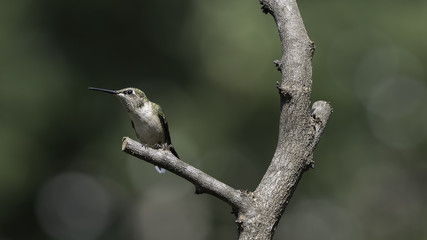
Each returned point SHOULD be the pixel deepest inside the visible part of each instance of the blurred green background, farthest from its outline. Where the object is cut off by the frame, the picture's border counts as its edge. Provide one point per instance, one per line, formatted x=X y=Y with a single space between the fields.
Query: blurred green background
x=209 y=64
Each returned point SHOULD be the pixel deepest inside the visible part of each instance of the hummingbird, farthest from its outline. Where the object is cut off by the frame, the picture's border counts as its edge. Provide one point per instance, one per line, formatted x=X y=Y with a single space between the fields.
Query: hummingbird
x=147 y=118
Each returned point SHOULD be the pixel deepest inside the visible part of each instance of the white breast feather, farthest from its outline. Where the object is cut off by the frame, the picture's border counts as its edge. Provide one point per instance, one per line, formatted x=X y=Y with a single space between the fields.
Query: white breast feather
x=147 y=125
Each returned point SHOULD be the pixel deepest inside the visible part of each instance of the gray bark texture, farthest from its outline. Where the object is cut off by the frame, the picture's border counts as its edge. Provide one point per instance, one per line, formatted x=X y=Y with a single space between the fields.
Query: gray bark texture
x=258 y=212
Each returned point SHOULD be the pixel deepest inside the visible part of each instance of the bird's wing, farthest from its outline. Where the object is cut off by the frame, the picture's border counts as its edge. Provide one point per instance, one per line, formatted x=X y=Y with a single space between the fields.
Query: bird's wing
x=164 y=123
x=165 y=126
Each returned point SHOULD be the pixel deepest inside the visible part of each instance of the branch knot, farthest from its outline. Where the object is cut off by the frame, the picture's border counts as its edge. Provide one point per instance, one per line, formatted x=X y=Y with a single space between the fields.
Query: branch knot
x=278 y=65
x=312 y=49
x=266 y=8
x=284 y=93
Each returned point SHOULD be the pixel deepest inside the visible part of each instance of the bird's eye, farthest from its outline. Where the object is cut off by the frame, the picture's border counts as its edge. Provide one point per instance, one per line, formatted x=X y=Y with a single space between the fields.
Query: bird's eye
x=130 y=91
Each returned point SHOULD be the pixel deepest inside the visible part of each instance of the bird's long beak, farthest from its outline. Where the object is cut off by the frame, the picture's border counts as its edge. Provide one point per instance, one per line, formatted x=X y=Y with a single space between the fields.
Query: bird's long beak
x=103 y=90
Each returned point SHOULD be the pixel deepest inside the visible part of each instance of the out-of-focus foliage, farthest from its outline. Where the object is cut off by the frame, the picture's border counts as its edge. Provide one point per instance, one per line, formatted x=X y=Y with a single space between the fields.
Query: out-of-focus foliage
x=210 y=65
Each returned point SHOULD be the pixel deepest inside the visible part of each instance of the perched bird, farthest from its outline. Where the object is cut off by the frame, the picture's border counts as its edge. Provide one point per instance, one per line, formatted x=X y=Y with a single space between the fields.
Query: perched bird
x=148 y=119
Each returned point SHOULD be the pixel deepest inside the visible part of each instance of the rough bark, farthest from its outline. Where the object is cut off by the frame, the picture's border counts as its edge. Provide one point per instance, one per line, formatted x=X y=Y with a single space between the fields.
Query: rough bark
x=258 y=212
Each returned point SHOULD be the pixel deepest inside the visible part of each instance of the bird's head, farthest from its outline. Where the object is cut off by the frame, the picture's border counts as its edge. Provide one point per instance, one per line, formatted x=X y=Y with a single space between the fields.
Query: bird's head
x=131 y=98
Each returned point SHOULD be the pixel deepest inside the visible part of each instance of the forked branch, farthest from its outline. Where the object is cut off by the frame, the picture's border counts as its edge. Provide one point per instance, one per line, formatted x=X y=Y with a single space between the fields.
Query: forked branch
x=300 y=128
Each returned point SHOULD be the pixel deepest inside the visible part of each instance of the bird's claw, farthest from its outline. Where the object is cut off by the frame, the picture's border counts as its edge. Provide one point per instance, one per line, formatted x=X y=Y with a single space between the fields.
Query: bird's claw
x=157 y=146
x=144 y=145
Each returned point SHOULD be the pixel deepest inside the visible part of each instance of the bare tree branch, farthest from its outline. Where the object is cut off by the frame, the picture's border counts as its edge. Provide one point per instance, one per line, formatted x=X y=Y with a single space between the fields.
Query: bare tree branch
x=299 y=131
x=259 y=212
x=204 y=183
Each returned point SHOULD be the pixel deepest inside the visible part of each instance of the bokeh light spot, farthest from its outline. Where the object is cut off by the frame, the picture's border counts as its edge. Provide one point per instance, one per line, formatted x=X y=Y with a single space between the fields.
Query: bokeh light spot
x=73 y=206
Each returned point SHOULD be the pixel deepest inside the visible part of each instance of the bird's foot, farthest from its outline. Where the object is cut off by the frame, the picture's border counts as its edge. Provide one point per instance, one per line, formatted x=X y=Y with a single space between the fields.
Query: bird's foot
x=163 y=146
x=158 y=146
x=144 y=145
x=167 y=147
